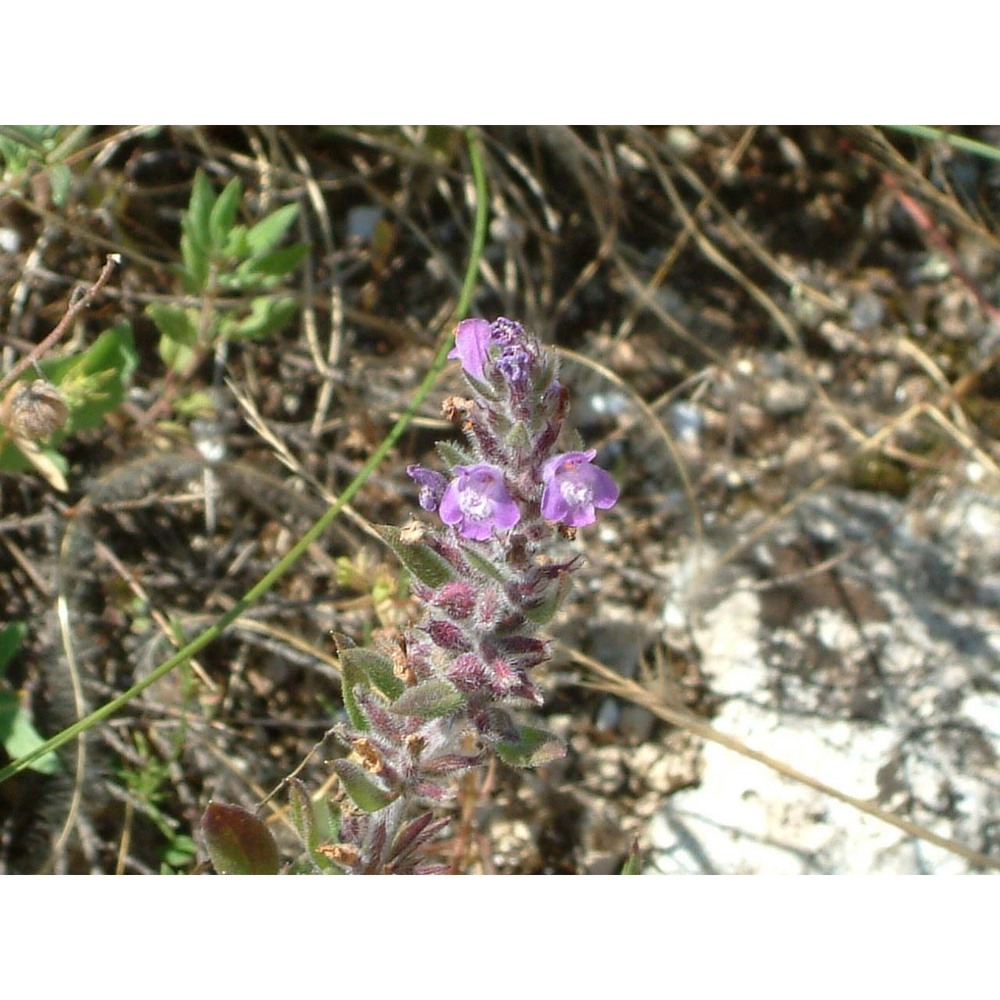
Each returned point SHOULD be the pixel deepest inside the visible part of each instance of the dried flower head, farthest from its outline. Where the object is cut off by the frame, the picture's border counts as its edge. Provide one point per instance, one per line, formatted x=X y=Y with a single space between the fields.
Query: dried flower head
x=33 y=410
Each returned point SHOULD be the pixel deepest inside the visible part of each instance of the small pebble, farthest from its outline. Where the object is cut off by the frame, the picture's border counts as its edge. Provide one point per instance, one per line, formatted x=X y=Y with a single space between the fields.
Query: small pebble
x=10 y=240
x=784 y=399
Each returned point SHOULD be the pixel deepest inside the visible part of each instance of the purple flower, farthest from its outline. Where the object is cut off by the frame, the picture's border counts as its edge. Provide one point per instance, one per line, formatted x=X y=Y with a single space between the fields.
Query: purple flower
x=472 y=338
x=478 y=501
x=515 y=363
x=506 y=331
x=431 y=485
x=574 y=487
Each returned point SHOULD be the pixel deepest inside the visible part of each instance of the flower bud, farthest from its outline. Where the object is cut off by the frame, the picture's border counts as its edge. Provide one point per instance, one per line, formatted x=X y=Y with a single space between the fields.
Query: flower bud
x=456 y=598
x=447 y=635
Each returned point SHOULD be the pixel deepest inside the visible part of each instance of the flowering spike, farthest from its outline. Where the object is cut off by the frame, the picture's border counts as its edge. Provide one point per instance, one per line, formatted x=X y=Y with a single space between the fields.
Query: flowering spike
x=448 y=694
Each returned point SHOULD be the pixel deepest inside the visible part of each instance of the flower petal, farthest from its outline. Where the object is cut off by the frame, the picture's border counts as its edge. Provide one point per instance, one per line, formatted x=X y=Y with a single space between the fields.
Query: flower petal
x=472 y=338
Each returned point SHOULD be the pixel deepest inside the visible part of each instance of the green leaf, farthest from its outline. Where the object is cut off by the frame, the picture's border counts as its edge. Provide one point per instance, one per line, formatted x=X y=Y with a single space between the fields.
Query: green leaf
x=268 y=233
x=196 y=265
x=174 y=322
x=317 y=824
x=484 y=390
x=175 y=355
x=518 y=439
x=375 y=667
x=199 y=403
x=61 y=179
x=19 y=737
x=236 y=245
x=452 y=455
x=276 y=264
x=425 y=564
x=351 y=677
x=95 y=381
x=26 y=140
x=267 y=316
x=180 y=852
x=484 y=566
x=10 y=642
x=631 y=865
x=532 y=748
x=430 y=699
x=543 y=612
x=238 y=842
x=179 y=334
x=196 y=221
x=358 y=784
x=222 y=217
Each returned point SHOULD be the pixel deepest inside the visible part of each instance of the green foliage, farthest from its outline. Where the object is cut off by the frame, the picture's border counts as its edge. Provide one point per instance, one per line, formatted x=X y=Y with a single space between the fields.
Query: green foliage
x=17 y=734
x=425 y=564
x=376 y=669
x=362 y=790
x=632 y=865
x=222 y=260
x=452 y=454
x=543 y=612
x=317 y=824
x=532 y=748
x=351 y=678
x=92 y=384
x=148 y=782
x=25 y=149
x=433 y=698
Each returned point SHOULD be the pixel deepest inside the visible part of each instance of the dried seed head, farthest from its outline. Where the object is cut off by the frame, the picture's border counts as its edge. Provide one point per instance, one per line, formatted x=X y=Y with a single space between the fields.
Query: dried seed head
x=454 y=407
x=346 y=855
x=412 y=533
x=33 y=410
x=369 y=756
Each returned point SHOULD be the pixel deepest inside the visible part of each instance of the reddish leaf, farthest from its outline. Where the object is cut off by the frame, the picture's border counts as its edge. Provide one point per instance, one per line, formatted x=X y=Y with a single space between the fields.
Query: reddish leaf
x=238 y=842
